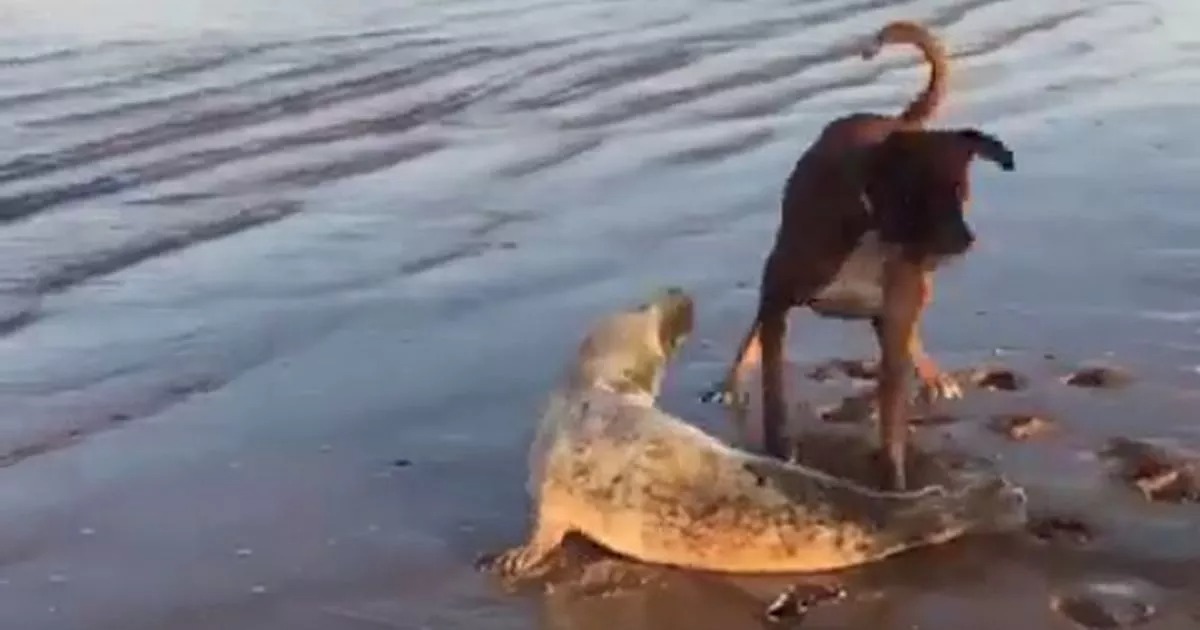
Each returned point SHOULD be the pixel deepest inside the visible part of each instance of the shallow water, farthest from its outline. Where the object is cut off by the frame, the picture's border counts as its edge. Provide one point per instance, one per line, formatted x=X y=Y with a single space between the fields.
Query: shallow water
x=250 y=256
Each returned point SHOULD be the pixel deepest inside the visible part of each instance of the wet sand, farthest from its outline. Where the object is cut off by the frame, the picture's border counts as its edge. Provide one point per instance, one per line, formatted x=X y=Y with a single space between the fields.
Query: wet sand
x=281 y=292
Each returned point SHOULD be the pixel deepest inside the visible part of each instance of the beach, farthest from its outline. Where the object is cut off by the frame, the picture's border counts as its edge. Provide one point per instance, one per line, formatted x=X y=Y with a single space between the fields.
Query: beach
x=282 y=291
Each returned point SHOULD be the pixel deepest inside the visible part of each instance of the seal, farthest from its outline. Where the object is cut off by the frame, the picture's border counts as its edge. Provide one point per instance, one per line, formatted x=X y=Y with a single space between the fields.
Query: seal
x=608 y=464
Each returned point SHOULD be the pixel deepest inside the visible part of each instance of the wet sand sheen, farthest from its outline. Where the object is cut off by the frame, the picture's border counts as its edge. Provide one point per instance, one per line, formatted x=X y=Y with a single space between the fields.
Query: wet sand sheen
x=249 y=262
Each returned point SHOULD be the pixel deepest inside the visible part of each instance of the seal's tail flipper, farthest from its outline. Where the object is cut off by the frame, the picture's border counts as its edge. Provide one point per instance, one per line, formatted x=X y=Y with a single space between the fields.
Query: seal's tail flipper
x=997 y=506
x=990 y=505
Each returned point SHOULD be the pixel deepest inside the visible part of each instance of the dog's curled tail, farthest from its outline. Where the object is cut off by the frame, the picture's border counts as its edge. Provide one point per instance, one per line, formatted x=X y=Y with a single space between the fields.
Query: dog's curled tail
x=926 y=104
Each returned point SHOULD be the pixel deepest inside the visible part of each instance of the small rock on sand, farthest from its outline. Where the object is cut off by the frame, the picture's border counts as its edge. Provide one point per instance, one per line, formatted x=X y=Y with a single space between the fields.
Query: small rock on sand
x=860 y=369
x=821 y=373
x=932 y=420
x=795 y=602
x=1021 y=426
x=1065 y=528
x=861 y=408
x=1099 y=377
x=1105 y=605
x=998 y=379
x=1159 y=474
x=853 y=409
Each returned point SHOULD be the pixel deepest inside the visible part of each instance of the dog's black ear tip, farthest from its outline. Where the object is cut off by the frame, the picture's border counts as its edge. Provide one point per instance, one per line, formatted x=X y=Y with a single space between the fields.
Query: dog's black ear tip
x=1005 y=159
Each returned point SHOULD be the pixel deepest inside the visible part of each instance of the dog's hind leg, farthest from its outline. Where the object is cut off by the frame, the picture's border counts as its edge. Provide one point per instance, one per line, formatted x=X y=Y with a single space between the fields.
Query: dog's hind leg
x=783 y=287
x=772 y=322
x=904 y=295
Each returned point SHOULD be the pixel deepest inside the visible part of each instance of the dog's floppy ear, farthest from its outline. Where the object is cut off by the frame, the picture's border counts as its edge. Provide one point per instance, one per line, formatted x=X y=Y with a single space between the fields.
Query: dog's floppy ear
x=987 y=146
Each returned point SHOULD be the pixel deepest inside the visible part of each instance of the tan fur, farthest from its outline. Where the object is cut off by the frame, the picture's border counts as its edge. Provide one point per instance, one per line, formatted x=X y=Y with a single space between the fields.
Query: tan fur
x=608 y=464
x=857 y=289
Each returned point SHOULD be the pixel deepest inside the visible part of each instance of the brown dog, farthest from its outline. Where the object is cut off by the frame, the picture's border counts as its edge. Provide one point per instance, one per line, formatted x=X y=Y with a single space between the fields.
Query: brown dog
x=868 y=213
x=823 y=202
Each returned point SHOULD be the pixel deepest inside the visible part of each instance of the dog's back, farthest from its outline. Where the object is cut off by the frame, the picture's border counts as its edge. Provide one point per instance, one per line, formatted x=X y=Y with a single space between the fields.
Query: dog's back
x=843 y=141
x=822 y=206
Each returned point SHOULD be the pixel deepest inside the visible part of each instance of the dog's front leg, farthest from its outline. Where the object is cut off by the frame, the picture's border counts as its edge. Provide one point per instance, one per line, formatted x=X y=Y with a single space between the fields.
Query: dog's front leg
x=935 y=384
x=904 y=295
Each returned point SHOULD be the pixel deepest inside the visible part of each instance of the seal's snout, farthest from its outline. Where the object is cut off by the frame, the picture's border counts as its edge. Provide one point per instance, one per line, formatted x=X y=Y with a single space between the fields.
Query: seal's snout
x=677 y=317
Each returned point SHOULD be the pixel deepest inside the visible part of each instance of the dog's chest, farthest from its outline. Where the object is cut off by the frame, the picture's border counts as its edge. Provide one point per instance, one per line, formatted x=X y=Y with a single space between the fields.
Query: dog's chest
x=856 y=292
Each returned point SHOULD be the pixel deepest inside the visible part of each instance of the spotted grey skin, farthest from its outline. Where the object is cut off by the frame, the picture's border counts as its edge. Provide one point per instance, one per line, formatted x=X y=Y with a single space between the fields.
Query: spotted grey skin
x=610 y=465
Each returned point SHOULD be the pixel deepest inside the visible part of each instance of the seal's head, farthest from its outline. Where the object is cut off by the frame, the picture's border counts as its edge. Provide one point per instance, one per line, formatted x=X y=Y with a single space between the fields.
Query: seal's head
x=673 y=313
x=628 y=351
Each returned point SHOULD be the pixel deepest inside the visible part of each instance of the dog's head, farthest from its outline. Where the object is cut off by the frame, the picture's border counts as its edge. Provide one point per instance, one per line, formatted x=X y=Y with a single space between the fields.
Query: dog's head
x=917 y=183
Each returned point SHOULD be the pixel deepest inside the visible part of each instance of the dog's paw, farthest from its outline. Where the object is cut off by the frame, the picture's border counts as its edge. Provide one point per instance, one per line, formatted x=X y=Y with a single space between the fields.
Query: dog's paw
x=719 y=394
x=939 y=386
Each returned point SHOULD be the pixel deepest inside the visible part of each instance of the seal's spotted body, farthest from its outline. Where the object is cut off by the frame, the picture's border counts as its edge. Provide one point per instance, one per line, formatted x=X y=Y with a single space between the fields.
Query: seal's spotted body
x=608 y=464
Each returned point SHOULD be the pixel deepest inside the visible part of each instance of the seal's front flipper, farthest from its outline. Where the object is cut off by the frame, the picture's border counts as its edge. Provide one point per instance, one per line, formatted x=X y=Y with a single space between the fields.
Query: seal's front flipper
x=529 y=561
